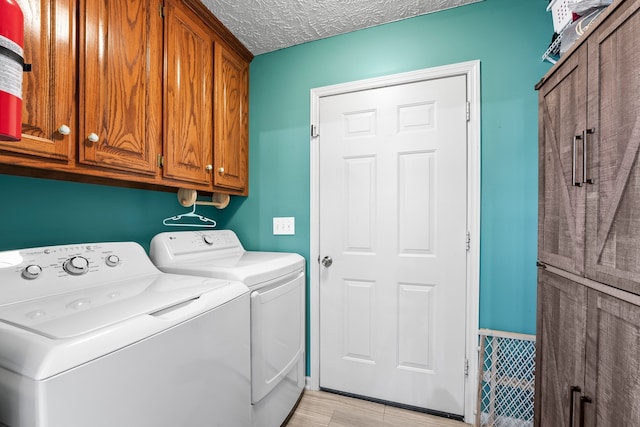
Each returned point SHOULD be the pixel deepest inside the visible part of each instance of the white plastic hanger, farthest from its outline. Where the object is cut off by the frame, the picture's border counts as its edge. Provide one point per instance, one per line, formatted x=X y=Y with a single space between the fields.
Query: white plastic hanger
x=188 y=198
x=175 y=221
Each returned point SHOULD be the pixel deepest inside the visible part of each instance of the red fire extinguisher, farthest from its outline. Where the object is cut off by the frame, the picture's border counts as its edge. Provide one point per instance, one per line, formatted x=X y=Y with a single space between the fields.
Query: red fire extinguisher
x=11 y=69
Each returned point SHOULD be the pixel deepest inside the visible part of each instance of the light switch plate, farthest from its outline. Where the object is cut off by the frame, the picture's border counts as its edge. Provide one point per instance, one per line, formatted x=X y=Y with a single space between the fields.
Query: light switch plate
x=284 y=226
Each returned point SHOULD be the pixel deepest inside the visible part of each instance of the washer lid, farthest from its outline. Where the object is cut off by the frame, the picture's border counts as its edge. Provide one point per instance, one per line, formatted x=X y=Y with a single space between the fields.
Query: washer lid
x=251 y=268
x=81 y=312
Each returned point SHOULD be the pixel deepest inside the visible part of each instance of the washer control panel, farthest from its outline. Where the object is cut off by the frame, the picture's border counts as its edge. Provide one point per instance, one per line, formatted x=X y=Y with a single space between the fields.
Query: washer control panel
x=33 y=273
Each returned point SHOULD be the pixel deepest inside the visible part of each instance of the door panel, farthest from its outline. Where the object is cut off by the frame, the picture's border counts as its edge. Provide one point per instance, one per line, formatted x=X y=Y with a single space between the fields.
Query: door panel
x=561 y=210
x=231 y=145
x=613 y=365
x=49 y=89
x=277 y=334
x=189 y=96
x=393 y=218
x=613 y=223
x=560 y=349
x=121 y=84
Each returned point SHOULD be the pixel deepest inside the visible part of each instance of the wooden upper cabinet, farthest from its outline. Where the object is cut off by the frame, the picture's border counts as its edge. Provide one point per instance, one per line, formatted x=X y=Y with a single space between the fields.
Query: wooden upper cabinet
x=613 y=200
x=231 y=125
x=561 y=207
x=49 y=89
x=133 y=91
x=188 y=117
x=120 y=84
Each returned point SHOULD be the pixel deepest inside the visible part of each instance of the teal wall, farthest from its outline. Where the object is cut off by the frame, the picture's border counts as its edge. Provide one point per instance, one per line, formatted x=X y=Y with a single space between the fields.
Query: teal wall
x=39 y=212
x=507 y=36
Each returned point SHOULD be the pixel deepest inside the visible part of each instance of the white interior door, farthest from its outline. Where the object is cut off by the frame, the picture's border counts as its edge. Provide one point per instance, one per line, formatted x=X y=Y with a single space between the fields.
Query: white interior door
x=393 y=206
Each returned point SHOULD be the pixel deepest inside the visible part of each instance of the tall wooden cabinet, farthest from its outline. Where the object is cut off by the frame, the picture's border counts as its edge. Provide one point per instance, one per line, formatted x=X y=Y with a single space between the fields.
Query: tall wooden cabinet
x=588 y=333
x=150 y=94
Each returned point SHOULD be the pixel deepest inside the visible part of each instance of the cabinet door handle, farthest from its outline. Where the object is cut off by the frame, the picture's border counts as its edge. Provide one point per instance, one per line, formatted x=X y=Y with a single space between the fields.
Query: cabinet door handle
x=92 y=137
x=583 y=401
x=572 y=390
x=575 y=182
x=221 y=171
x=64 y=130
x=584 y=155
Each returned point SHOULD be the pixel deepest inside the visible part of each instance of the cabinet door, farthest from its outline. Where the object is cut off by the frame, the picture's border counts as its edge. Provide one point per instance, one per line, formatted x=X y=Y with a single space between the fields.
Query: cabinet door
x=231 y=125
x=560 y=350
x=613 y=200
x=561 y=204
x=120 y=84
x=188 y=96
x=49 y=89
x=613 y=366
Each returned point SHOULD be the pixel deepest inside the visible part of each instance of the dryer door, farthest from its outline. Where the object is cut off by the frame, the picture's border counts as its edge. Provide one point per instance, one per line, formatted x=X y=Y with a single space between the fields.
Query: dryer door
x=277 y=333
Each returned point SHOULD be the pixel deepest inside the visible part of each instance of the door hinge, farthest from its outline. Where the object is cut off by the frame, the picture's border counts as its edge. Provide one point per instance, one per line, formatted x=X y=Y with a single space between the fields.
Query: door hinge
x=468 y=241
x=468 y=111
x=466 y=367
x=161 y=11
x=160 y=161
x=314 y=131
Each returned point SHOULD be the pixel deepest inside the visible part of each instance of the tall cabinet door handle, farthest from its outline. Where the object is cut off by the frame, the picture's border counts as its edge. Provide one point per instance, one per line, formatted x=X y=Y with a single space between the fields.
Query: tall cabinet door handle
x=575 y=182
x=583 y=400
x=572 y=391
x=585 y=178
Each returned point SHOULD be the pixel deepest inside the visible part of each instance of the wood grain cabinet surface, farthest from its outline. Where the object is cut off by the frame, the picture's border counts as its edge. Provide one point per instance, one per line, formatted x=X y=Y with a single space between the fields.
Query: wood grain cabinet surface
x=587 y=364
x=231 y=124
x=588 y=326
x=137 y=95
x=189 y=98
x=560 y=349
x=49 y=45
x=589 y=131
x=120 y=85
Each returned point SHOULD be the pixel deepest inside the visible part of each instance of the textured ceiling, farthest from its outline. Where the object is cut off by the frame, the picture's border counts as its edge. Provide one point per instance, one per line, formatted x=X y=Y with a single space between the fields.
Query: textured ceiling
x=268 y=25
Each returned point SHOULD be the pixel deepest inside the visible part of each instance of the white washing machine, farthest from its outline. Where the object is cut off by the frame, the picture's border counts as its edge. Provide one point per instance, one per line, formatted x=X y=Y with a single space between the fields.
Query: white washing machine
x=277 y=284
x=95 y=335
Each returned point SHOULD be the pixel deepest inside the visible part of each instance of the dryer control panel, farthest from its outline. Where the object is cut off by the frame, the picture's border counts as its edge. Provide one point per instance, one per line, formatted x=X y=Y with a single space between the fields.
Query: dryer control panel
x=215 y=243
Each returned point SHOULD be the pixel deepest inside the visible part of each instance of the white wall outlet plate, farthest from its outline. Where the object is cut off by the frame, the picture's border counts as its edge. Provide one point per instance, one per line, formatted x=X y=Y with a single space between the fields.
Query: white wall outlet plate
x=284 y=226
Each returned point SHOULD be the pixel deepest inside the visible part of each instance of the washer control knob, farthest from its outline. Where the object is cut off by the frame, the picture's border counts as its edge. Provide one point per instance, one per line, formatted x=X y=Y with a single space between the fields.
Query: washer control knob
x=208 y=240
x=76 y=265
x=31 y=271
x=112 y=260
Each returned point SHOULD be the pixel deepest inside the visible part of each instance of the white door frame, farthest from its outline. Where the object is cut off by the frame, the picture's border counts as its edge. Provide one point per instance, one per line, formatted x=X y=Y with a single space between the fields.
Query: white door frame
x=471 y=70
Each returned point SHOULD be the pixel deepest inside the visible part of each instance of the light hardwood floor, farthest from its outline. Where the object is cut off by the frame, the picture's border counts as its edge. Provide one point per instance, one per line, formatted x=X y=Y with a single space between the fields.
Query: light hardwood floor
x=322 y=409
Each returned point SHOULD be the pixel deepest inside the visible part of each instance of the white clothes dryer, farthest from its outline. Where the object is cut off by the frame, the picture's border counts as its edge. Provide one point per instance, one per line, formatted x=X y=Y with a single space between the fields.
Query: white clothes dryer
x=277 y=284
x=95 y=335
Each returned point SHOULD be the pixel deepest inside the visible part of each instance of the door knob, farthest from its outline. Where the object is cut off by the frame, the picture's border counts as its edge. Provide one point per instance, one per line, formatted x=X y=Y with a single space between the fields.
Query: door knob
x=327 y=261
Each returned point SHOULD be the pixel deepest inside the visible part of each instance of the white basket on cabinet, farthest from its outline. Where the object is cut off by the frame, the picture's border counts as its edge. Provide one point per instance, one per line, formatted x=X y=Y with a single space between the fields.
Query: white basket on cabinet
x=561 y=13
